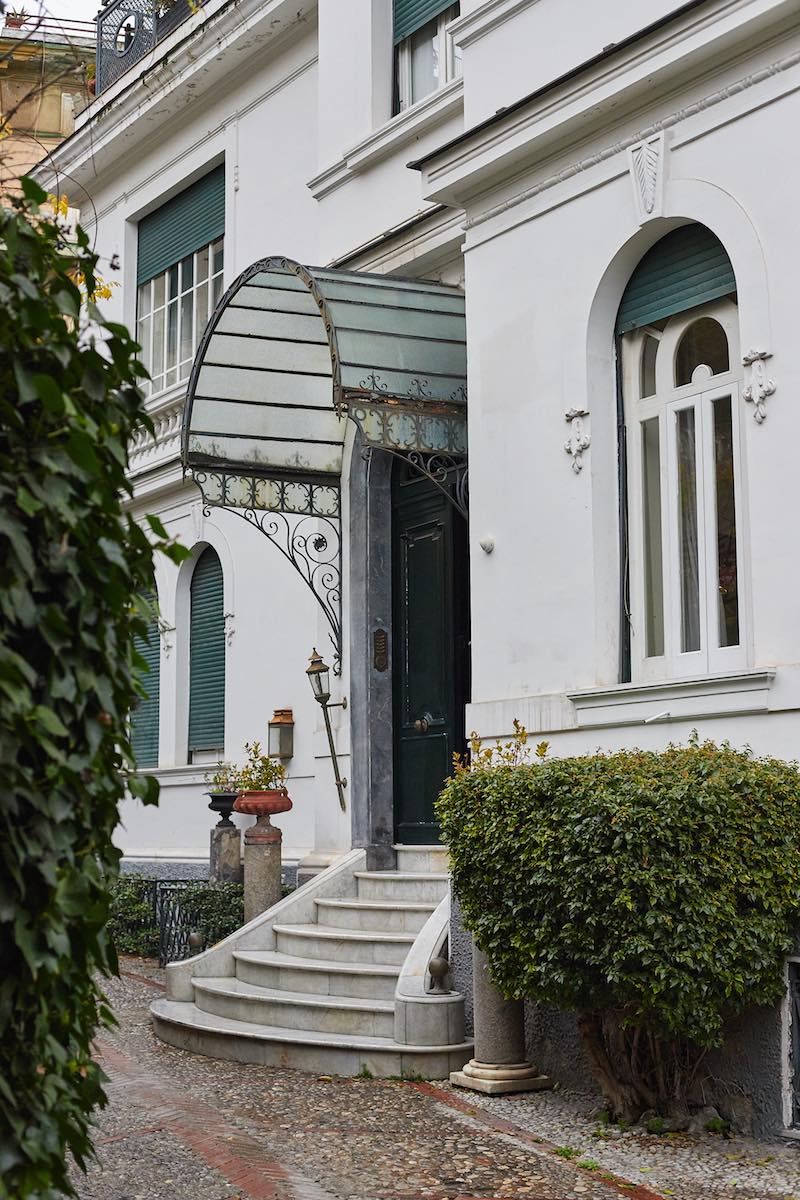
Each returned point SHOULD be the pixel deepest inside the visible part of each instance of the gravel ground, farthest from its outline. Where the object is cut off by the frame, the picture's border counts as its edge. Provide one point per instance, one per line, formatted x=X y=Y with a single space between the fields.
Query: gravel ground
x=688 y=1167
x=184 y=1127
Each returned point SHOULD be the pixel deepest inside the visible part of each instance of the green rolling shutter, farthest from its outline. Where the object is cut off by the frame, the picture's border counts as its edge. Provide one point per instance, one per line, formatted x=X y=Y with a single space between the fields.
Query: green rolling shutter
x=207 y=655
x=184 y=224
x=144 y=718
x=687 y=267
x=411 y=15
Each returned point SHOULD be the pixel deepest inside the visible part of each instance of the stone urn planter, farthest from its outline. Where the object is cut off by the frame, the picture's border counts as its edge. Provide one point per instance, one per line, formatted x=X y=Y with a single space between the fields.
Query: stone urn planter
x=222 y=803
x=263 y=802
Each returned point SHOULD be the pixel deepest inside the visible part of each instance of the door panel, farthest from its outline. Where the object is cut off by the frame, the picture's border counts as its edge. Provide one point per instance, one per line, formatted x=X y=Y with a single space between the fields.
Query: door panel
x=429 y=649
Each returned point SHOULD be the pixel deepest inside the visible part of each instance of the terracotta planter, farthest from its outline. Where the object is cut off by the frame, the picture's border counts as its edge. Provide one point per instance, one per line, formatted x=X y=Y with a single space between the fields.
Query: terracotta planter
x=263 y=804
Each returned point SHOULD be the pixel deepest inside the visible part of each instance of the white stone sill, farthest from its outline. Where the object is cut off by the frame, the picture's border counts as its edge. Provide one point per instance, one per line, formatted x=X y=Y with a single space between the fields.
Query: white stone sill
x=732 y=693
x=405 y=127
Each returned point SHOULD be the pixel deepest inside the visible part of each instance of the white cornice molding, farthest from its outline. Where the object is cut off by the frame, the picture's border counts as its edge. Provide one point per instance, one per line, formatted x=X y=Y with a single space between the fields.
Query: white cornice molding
x=605 y=91
x=727 y=694
x=198 y=51
x=491 y=15
x=408 y=126
x=619 y=147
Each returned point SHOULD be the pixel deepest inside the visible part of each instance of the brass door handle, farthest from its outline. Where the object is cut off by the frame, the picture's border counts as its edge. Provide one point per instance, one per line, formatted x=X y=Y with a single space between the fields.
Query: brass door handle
x=421 y=725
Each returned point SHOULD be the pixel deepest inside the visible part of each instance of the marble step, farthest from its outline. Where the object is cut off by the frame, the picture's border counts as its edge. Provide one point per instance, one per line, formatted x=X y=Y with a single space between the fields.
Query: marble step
x=426 y=859
x=294 y=1010
x=402 y=885
x=321 y=977
x=189 y=1028
x=345 y=945
x=375 y=916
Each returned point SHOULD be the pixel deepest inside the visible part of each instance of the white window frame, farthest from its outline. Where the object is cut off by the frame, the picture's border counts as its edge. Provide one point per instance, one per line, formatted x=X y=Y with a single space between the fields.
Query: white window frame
x=447 y=58
x=665 y=405
x=200 y=315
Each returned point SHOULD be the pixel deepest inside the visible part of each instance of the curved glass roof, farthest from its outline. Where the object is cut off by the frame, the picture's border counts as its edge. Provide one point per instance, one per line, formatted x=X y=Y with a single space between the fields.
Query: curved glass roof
x=291 y=351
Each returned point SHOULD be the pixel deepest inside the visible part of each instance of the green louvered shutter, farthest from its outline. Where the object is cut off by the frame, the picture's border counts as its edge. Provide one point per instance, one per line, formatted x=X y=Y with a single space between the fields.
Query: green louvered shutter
x=687 y=267
x=207 y=656
x=411 y=15
x=190 y=220
x=144 y=718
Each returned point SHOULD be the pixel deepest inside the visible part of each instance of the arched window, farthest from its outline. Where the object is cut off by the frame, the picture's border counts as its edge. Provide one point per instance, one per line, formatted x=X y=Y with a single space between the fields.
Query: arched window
x=144 y=718
x=679 y=342
x=207 y=658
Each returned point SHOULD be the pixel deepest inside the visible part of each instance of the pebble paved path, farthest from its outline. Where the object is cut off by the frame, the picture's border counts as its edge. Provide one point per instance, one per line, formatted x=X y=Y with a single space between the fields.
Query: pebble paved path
x=183 y=1127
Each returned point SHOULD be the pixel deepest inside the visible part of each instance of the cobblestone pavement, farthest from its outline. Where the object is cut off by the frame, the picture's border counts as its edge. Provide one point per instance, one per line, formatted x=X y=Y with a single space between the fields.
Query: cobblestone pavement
x=184 y=1127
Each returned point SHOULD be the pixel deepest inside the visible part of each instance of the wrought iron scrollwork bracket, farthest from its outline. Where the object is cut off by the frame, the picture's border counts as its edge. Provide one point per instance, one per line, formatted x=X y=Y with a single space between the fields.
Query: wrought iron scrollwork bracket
x=310 y=540
x=450 y=473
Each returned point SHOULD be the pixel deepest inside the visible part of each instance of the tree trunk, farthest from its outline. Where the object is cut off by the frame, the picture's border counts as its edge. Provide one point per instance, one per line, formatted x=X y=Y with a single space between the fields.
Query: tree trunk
x=623 y=1098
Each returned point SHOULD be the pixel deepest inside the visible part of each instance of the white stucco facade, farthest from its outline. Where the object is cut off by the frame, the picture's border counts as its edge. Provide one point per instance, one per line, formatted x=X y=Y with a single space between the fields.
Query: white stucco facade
x=527 y=195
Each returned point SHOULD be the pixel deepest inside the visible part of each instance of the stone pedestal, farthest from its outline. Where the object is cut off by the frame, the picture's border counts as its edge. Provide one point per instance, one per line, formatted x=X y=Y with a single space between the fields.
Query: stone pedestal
x=499 y=1064
x=226 y=854
x=262 y=867
x=262 y=849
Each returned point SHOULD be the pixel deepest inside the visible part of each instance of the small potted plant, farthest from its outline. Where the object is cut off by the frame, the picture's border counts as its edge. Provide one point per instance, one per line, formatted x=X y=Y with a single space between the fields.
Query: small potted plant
x=260 y=784
x=91 y=78
x=223 y=788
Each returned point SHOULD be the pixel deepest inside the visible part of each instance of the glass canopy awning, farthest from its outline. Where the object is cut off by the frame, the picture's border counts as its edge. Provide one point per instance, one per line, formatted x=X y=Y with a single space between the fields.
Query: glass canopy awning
x=289 y=355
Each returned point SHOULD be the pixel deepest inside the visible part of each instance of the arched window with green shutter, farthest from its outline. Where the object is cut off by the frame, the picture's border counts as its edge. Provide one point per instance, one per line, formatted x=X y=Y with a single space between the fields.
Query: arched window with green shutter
x=207 y=656
x=144 y=718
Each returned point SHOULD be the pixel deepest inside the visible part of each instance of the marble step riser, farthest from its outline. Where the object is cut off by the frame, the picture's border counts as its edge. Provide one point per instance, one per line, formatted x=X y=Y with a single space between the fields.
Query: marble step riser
x=373 y=920
x=355 y=951
x=411 y=859
x=423 y=891
x=316 y=1018
x=318 y=983
x=330 y=1060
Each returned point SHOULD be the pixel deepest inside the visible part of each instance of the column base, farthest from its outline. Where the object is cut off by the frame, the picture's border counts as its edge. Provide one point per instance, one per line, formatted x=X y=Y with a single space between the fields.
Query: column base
x=495 y=1079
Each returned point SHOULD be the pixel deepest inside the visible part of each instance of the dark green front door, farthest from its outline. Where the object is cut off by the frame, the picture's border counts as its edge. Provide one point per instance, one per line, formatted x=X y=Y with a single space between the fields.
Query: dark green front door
x=430 y=626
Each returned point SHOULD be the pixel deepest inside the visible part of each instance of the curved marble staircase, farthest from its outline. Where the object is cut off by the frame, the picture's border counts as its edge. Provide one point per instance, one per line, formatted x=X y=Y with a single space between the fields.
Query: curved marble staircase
x=332 y=979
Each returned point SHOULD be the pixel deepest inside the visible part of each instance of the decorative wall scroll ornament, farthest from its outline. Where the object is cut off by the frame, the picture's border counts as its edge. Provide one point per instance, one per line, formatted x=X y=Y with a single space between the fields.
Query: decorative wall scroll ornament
x=646 y=161
x=167 y=632
x=230 y=628
x=196 y=512
x=302 y=520
x=758 y=387
x=578 y=440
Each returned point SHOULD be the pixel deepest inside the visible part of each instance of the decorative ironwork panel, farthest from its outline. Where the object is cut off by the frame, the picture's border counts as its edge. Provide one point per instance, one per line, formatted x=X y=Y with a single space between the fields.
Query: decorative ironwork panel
x=173 y=924
x=427 y=427
x=226 y=489
x=794 y=1008
x=129 y=29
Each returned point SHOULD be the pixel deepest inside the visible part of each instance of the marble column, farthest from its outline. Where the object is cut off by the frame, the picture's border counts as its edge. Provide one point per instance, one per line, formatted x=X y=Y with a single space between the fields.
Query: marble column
x=499 y=1064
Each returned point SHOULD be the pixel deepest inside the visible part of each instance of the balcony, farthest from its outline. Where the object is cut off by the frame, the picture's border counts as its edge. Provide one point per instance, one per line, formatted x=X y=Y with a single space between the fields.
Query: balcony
x=127 y=30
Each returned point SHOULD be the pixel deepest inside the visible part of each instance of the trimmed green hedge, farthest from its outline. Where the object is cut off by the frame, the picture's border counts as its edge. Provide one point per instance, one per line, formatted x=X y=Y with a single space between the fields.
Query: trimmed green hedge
x=656 y=892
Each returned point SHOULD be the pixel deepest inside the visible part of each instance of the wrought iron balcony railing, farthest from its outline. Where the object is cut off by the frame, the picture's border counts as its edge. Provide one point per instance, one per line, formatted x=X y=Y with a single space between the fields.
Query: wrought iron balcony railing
x=129 y=29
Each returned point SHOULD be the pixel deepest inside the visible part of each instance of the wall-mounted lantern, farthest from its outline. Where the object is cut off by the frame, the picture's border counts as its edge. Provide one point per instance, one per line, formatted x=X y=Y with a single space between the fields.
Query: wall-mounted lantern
x=281 y=734
x=318 y=674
